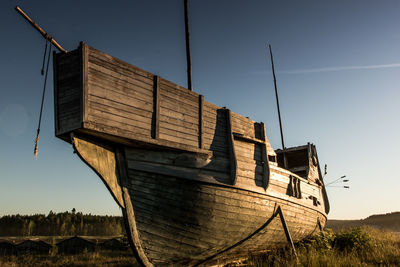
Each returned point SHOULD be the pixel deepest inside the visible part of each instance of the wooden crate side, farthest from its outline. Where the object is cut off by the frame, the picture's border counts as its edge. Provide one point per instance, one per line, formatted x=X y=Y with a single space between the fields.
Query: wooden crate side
x=119 y=95
x=67 y=92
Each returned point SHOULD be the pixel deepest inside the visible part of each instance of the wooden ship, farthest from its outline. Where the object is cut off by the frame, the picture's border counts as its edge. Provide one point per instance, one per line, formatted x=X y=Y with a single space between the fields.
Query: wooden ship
x=197 y=183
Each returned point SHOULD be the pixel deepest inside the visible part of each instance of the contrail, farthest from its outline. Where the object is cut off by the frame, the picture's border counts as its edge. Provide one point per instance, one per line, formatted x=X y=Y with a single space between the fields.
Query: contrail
x=383 y=66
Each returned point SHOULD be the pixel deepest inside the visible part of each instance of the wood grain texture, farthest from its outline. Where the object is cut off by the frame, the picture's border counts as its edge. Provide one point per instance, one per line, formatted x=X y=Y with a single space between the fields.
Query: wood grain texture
x=101 y=159
x=197 y=181
x=67 y=92
x=177 y=218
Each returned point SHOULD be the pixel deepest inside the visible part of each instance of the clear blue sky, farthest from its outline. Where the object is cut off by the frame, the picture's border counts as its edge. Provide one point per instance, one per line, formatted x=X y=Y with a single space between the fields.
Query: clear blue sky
x=338 y=70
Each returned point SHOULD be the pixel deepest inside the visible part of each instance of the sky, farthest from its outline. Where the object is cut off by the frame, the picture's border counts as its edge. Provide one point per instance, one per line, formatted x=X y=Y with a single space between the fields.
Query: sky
x=338 y=75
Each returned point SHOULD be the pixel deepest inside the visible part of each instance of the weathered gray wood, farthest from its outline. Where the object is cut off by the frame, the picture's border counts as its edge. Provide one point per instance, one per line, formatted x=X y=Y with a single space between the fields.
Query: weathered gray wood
x=231 y=146
x=156 y=109
x=203 y=185
x=201 y=107
x=134 y=237
x=101 y=159
x=264 y=156
x=55 y=92
x=84 y=53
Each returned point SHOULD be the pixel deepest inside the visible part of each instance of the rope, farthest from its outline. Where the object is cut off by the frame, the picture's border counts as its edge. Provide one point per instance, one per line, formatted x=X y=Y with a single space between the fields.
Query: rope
x=44 y=57
x=35 y=151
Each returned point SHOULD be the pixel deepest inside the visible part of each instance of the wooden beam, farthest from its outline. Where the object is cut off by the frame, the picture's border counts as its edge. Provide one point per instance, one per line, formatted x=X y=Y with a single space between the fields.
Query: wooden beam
x=42 y=32
x=264 y=157
x=156 y=107
x=231 y=147
x=55 y=93
x=84 y=54
x=286 y=229
x=201 y=108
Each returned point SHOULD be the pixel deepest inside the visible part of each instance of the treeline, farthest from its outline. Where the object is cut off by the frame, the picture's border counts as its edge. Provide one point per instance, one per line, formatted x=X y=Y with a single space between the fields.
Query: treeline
x=61 y=224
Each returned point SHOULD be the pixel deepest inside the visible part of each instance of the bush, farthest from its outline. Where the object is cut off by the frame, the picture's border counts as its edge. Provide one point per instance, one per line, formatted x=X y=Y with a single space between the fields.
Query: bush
x=354 y=240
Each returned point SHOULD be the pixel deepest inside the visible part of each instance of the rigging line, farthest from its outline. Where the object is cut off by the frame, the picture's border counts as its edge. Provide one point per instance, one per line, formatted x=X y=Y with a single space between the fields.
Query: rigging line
x=35 y=151
x=44 y=57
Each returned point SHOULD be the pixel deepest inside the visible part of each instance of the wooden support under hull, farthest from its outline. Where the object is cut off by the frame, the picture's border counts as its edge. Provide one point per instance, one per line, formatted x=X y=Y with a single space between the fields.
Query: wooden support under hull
x=183 y=222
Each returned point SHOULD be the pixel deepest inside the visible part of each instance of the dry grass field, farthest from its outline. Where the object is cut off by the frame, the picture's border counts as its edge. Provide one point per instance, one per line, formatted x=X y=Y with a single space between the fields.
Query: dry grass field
x=361 y=246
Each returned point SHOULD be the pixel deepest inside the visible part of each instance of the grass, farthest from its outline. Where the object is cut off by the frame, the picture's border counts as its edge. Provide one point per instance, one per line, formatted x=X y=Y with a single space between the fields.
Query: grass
x=352 y=247
x=363 y=246
x=103 y=258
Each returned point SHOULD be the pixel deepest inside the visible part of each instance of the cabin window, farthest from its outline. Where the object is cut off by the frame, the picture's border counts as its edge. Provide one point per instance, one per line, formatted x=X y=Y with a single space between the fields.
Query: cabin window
x=295 y=160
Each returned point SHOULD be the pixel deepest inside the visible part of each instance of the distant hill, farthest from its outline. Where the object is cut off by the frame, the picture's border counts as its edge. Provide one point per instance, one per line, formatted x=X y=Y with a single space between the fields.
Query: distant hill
x=388 y=221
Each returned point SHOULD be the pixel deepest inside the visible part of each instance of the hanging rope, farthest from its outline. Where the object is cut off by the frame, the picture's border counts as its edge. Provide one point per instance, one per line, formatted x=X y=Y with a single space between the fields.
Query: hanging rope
x=44 y=56
x=35 y=151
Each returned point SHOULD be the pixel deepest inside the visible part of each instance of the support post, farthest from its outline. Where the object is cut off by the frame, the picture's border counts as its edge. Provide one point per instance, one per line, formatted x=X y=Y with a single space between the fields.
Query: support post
x=201 y=108
x=156 y=108
x=286 y=229
x=231 y=144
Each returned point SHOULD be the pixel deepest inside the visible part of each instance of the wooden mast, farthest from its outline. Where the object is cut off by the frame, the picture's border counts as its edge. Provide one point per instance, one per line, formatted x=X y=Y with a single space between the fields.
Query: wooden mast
x=188 y=57
x=276 y=94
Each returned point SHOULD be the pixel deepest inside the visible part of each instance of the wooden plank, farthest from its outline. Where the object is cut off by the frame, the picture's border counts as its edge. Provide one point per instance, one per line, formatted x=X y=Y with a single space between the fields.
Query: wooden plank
x=178 y=140
x=231 y=147
x=119 y=66
x=176 y=122
x=180 y=108
x=201 y=107
x=84 y=80
x=108 y=113
x=176 y=87
x=126 y=115
x=181 y=172
x=264 y=156
x=99 y=118
x=156 y=108
x=121 y=87
x=105 y=74
x=184 y=135
x=119 y=98
x=55 y=85
x=133 y=235
x=119 y=83
x=120 y=106
x=174 y=99
x=124 y=137
x=177 y=115
x=183 y=130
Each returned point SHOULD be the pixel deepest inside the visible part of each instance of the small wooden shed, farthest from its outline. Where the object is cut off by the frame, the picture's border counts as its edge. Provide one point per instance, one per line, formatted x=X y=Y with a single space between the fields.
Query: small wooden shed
x=6 y=248
x=75 y=245
x=33 y=247
x=113 y=244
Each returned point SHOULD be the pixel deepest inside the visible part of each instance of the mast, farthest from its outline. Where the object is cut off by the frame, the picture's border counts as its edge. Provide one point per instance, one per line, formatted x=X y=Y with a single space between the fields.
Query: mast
x=276 y=94
x=188 y=57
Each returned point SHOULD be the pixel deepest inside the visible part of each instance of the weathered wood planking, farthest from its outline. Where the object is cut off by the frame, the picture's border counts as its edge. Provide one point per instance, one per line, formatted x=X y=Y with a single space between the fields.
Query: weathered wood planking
x=209 y=220
x=67 y=91
x=195 y=179
x=115 y=95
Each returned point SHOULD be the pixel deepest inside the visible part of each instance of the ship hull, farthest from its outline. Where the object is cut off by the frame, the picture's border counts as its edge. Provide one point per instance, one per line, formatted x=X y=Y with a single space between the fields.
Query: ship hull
x=185 y=222
x=197 y=183
x=180 y=220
